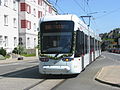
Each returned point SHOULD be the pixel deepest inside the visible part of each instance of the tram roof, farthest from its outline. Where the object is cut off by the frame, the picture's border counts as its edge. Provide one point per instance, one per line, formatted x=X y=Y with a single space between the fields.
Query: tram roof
x=68 y=17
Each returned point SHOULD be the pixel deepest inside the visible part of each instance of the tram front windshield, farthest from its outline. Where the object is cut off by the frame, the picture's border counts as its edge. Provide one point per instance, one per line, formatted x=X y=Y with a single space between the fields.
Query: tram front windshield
x=56 y=37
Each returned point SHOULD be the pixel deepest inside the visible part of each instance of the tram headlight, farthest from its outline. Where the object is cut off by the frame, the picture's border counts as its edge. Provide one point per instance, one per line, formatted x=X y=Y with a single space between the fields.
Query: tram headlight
x=68 y=59
x=44 y=59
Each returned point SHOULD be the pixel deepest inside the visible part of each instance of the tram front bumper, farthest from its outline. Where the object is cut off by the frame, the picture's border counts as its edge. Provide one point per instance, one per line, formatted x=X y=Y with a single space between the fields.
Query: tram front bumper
x=56 y=68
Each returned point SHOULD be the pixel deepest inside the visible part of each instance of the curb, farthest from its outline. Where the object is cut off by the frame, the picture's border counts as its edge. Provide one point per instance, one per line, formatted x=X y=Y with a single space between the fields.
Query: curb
x=105 y=82
x=97 y=78
x=7 y=61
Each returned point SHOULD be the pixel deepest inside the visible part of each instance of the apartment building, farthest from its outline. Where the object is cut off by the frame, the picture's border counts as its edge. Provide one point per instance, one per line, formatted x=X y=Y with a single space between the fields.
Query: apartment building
x=30 y=12
x=8 y=24
x=19 y=22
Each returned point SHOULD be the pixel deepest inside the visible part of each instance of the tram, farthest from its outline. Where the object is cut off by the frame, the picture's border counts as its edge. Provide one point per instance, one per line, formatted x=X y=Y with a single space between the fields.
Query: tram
x=67 y=45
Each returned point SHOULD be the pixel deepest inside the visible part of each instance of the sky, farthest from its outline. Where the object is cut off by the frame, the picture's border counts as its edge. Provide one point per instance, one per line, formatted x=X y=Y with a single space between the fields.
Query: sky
x=105 y=13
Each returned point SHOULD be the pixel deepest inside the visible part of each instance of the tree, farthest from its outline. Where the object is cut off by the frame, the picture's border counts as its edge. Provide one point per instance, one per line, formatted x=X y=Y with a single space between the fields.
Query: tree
x=3 y=52
x=19 y=50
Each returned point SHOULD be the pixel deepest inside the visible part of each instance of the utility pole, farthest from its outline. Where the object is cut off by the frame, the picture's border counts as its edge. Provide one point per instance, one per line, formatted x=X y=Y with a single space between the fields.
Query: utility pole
x=89 y=17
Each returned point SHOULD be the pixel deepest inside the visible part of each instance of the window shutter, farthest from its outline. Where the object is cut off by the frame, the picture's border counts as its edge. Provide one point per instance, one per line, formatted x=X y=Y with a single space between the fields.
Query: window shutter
x=39 y=14
x=23 y=24
x=23 y=6
x=40 y=2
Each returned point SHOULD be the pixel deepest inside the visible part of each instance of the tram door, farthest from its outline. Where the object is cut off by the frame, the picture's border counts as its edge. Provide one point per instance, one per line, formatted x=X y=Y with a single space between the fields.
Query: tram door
x=94 y=55
x=79 y=52
x=90 y=56
x=82 y=62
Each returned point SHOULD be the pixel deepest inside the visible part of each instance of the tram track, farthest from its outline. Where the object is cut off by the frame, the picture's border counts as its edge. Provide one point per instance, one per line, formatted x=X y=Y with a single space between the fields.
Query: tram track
x=58 y=84
x=46 y=84
x=35 y=84
x=52 y=81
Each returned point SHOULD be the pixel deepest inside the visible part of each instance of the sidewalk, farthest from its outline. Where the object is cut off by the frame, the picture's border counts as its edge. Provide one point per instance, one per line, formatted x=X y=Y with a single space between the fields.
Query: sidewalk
x=10 y=60
x=109 y=75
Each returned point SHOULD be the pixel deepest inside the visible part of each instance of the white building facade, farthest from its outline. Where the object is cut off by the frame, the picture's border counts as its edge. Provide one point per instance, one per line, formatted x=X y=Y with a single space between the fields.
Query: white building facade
x=30 y=12
x=19 y=22
x=8 y=24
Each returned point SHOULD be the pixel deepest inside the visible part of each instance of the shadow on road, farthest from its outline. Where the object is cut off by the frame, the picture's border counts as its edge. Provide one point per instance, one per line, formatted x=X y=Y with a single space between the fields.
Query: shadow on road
x=33 y=73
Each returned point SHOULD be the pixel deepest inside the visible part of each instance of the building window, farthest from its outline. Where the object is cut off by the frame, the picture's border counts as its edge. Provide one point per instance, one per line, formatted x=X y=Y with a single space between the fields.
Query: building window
x=0 y=2
x=40 y=2
x=50 y=9
x=34 y=26
x=15 y=41
x=28 y=8
x=14 y=23
x=20 y=41
x=5 y=2
x=34 y=12
x=34 y=0
x=34 y=42
x=14 y=4
x=1 y=40
x=28 y=25
x=39 y=14
x=6 y=41
x=28 y=42
x=6 y=20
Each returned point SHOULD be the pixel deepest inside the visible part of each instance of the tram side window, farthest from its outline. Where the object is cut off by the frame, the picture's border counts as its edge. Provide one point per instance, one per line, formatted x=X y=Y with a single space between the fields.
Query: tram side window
x=96 y=45
x=79 y=43
x=99 y=45
x=82 y=35
x=91 y=43
x=86 y=42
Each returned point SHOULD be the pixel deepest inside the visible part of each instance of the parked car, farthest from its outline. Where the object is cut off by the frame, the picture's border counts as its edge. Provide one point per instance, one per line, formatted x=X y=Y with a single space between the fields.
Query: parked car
x=114 y=50
x=118 y=50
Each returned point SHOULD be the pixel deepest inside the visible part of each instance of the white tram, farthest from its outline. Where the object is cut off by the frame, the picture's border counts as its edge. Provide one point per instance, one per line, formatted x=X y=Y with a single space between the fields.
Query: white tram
x=67 y=46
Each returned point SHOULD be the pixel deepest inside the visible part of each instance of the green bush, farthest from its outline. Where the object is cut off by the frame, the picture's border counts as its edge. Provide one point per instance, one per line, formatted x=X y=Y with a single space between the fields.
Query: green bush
x=19 y=50
x=28 y=55
x=7 y=56
x=2 y=57
x=15 y=51
x=3 y=52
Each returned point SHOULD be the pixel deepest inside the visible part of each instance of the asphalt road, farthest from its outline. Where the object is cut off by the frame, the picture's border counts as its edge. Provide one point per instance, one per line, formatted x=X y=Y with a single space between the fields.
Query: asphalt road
x=25 y=76
x=86 y=81
x=16 y=66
